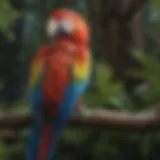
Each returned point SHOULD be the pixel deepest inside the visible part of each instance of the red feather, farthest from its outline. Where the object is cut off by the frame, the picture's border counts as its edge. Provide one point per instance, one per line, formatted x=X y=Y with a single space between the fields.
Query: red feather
x=45 y=141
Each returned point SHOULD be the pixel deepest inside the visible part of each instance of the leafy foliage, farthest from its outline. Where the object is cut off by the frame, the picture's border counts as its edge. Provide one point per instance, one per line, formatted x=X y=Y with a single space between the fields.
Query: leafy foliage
x=8 y=16
x=107 y=92
x=155 y=4
x=151 y=74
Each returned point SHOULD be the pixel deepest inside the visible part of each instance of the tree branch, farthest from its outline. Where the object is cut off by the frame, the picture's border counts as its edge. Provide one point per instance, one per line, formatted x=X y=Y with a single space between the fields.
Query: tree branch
x=106 y=119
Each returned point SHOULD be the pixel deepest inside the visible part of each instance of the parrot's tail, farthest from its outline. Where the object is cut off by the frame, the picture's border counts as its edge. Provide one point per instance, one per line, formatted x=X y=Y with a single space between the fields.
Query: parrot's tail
x=42 y=142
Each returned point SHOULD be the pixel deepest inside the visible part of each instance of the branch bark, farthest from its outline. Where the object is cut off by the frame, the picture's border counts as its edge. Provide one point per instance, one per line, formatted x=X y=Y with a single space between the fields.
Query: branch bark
x=105 y=119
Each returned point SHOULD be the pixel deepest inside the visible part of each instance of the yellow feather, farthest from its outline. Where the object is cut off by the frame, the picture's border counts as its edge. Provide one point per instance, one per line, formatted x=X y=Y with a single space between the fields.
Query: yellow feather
x=81 y=70
x=36 y=70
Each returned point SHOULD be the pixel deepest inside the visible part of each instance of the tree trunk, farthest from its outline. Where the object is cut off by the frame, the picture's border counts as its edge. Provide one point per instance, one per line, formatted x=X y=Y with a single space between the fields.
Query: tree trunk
x=117 y=37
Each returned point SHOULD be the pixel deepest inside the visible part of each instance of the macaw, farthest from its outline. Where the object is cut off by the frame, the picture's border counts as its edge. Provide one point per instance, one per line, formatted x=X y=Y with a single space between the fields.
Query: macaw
x=60 y=73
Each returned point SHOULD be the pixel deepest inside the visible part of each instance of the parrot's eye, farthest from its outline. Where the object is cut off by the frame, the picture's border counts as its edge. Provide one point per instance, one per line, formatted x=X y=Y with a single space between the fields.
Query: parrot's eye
x=52 y=26
x=67 y=25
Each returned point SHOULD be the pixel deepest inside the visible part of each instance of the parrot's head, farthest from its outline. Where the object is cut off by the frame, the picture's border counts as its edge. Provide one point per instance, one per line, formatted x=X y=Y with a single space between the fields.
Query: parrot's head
x=67 y=24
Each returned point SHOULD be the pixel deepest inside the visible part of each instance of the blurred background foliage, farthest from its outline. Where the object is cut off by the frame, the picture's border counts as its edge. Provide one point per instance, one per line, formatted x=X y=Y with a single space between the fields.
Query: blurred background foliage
x=22 y=32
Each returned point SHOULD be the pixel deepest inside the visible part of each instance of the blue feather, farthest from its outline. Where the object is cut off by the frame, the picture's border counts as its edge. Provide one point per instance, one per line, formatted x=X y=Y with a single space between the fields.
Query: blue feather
x=34 y=137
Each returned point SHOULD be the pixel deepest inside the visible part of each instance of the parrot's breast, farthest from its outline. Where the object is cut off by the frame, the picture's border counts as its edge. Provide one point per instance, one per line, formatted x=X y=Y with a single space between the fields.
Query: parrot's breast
x=56 y=76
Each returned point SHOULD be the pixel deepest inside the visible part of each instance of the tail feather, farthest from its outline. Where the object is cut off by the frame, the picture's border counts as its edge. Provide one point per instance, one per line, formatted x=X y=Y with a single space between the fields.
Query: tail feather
x=41 y=142
x=46 y=142
x=33 y=143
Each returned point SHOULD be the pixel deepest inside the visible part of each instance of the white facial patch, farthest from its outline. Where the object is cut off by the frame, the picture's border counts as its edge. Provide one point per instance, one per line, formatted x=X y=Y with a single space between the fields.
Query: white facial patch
x=51 y=27
x=66 y=25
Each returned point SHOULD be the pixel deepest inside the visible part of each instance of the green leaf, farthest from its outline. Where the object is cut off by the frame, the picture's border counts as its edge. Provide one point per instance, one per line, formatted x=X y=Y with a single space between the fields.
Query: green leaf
x=8 y=17
x=151 y=73
x=155 y=4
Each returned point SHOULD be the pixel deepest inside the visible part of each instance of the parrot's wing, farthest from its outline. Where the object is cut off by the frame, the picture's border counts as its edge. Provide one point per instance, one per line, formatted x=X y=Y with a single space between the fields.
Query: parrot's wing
x=72 y=94
x=35 y=100
x=79 y=80
x=35 y=79
x=36 y=68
